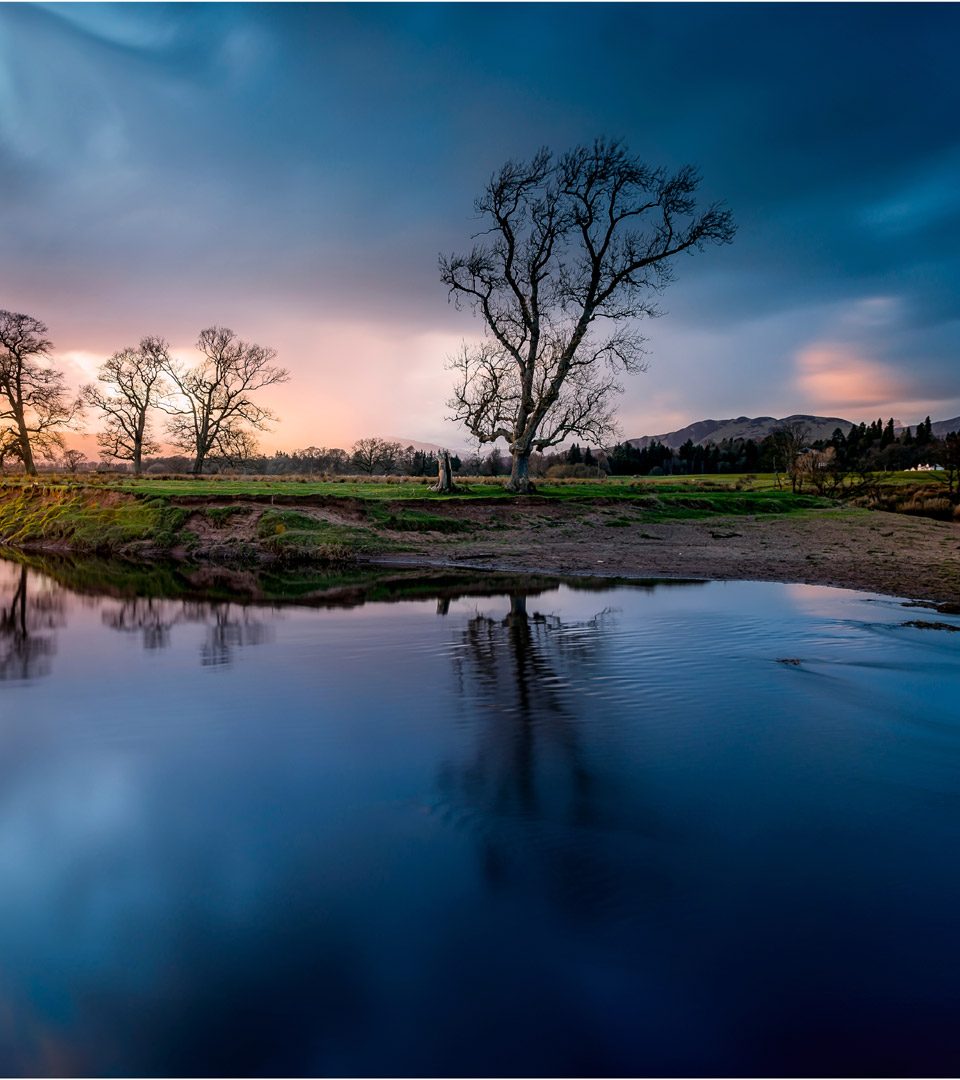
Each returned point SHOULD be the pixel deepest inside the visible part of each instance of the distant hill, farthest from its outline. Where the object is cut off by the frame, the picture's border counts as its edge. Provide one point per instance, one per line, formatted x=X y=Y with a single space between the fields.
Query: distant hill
x=417 y=444
x=743 y=427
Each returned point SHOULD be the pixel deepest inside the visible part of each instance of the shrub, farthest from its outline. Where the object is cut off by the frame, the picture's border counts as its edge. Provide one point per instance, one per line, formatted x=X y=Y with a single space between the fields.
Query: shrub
x=575 y=472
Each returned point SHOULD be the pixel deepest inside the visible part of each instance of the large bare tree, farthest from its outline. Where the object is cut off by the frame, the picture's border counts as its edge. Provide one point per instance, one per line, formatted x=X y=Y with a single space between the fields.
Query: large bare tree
x=133 y=384
x=215 y=412
x=575 y=250
x=34 y=402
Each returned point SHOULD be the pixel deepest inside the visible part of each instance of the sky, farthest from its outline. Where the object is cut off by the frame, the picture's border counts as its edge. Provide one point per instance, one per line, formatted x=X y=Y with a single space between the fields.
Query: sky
x=293 y=172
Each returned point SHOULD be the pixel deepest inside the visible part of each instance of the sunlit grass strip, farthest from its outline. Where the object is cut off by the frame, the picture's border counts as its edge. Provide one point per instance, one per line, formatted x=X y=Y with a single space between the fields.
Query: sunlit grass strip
x=84 y=520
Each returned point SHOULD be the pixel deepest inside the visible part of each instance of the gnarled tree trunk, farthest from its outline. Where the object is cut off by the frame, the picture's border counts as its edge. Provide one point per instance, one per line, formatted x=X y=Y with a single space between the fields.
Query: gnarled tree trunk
x=444 y=484
x=26 y=450
x=520 y=482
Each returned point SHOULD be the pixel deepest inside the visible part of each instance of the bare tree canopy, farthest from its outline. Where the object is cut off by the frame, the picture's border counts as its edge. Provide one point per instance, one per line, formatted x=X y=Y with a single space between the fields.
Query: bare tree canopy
x=789 y=439
x=373 y=455
x=72 y=460
x=215 y=412
x=576 y=250
x=133 y=384
x=34 y=405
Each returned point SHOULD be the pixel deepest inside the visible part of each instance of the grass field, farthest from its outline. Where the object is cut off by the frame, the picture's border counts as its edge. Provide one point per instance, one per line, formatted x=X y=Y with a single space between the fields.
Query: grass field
x=409 y=487
x=402 y=487
x=416 y=488
x=110 y=514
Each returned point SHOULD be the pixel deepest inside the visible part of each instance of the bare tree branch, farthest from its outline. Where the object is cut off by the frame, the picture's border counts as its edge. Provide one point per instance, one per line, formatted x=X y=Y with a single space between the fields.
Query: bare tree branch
x=34 y=405
x=373 y=455
x=572 y=242
x=133 y=384
x=213 y=410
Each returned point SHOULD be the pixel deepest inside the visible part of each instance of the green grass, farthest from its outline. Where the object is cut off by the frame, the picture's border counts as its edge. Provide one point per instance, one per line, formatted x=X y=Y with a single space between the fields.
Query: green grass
x=85 y=521
x=416 y=521
x=109 y=515
x=294 y=535
x=349 y=487
x=656 y=491
x=220 y=515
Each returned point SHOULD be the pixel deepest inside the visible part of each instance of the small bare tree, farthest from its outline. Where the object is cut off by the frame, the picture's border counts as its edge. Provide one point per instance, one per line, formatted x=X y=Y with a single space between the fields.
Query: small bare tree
x=34 y=404
x=789 y=439
x=215 y=413
x=72 y=461
x=133 y=384
x=578 y=243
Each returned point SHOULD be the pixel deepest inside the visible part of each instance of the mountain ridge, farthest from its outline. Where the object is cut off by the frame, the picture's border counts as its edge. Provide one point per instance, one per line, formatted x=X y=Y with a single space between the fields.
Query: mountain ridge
x=759 y=427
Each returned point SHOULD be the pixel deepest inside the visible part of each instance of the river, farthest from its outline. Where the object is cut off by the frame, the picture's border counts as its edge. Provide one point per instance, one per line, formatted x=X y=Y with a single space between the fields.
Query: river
x=523 y=829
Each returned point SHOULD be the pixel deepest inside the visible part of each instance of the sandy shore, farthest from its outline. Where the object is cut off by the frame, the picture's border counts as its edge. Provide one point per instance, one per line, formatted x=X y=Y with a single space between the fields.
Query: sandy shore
x=894 y=554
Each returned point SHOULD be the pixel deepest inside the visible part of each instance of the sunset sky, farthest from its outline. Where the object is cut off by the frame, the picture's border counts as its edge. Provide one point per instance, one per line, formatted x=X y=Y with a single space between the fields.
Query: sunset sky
x=293 y=171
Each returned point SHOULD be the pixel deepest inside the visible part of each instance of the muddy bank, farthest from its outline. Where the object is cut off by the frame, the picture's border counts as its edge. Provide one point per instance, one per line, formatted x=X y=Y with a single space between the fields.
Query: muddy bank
x=855 y=549
x=632 y=538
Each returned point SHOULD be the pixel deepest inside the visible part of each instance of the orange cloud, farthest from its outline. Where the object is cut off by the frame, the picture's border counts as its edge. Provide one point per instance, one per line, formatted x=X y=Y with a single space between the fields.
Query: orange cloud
x=835 y=378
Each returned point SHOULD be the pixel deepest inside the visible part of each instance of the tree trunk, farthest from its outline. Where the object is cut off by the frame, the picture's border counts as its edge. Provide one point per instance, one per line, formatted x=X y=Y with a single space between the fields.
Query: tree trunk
x=26 y=451
x=138 y=443
x=519 y=482
x=29 y=466
x=444 y=484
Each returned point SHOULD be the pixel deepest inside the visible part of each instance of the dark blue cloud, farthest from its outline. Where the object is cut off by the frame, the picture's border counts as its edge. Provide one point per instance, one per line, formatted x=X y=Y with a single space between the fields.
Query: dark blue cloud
x=317 y=157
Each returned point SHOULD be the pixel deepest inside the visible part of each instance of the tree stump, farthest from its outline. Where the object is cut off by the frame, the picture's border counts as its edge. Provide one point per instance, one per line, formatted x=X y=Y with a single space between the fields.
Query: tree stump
x=444 y=484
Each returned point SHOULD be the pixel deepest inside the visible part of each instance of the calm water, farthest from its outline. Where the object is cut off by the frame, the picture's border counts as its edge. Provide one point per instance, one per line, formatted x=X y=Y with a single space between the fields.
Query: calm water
x=577 y=832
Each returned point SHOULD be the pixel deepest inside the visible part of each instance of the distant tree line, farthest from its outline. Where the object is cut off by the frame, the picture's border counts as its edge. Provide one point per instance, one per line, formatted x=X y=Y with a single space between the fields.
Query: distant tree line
x=369 y=456
x=875 y=447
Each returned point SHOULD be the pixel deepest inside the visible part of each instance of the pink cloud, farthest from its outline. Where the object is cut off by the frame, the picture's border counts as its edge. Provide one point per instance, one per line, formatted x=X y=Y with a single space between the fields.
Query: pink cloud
x=835 y=378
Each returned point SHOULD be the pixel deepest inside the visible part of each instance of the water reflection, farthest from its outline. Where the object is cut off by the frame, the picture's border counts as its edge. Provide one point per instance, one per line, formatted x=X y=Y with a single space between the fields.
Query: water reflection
x=229 y=626
x=548 y=832
x=238 y=609
x=515 y=667
x=151 y=618
x=538 y=799
x=30 y=611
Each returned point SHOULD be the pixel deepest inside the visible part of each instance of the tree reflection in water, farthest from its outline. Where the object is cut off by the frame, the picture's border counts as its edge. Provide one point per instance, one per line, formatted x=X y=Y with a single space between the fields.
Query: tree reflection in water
x=229 y=626
x=539 y=802
x=151 y=618
x=30 y=610
x=34 y=606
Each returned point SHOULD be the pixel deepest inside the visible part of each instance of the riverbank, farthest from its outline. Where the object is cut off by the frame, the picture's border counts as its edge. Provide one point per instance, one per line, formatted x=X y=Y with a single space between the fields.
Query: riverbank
x=625 y=533
x=873 y=551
